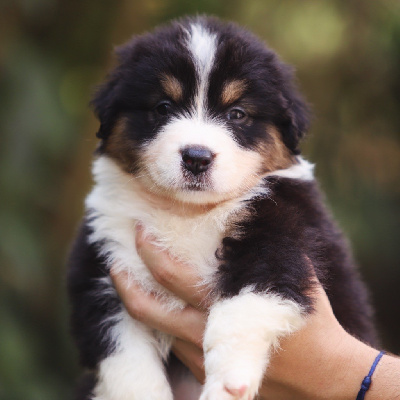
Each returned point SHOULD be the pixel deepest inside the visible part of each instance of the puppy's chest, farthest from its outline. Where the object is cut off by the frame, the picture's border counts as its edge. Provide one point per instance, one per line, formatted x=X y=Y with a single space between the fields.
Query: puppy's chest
x=193 y=240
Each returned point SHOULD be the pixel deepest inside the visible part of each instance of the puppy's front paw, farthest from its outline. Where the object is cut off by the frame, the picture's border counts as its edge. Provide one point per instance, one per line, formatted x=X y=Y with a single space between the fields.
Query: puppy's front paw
x=240 y=333
x=233 y=386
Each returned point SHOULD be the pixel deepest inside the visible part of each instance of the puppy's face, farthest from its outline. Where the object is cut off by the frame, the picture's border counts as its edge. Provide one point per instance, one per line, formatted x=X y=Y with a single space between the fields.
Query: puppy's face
x=199 y=111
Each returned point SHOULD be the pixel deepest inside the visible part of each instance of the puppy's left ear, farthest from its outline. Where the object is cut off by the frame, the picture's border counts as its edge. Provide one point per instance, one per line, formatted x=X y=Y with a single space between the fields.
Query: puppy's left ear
x=104 y=104
x=296 y=121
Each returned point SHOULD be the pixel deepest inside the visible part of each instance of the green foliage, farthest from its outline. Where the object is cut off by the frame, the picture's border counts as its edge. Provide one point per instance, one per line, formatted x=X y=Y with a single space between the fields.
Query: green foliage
x=52 y=53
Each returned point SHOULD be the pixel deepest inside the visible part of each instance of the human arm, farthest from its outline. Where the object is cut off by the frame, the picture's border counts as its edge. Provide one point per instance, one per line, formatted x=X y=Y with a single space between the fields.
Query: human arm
x=320 y=361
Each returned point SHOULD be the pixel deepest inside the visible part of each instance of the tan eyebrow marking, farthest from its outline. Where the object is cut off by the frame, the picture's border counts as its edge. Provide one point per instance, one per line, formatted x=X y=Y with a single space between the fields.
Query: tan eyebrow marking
x=232 y=91
x=172 y=87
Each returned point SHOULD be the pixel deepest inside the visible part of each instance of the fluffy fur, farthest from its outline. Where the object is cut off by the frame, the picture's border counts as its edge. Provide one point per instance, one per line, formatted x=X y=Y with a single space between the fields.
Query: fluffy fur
x=199 y=133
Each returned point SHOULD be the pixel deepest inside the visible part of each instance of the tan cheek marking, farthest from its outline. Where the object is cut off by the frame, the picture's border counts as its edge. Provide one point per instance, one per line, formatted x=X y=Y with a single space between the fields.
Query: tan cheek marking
x=119 y=148
x=232 y=91
x=172 y=87
x=275 y=154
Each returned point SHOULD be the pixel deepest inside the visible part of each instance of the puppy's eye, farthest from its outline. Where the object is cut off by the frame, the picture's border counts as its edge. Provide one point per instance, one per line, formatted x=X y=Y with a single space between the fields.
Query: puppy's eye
x=164 y=108
x=236 y=114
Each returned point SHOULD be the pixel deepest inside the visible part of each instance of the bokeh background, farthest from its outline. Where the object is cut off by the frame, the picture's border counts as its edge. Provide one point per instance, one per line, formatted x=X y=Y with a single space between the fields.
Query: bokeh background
x=53 y=53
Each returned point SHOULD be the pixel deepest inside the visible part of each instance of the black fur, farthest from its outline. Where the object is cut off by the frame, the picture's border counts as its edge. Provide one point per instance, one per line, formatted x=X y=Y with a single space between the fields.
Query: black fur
x=91 y=306
x=289 y=231
x=84 y=389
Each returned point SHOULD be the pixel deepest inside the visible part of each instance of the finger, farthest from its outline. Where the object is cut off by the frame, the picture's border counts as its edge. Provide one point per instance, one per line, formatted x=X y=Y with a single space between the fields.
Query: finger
x=187 y=324
x=192 y=356
x=176 y=276
x=322 y=304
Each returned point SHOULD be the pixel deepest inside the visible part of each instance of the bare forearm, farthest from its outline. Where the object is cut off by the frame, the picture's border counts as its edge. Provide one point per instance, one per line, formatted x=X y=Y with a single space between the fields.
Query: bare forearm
x=386 y=380
x=331 y=371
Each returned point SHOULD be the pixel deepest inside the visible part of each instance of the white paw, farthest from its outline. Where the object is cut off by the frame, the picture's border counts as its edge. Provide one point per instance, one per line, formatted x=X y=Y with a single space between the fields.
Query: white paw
x=230 y=388
x=135 y=392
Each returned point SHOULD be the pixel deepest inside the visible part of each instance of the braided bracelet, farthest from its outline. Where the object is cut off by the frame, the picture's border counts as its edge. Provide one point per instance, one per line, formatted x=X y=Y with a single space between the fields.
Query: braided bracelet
x=366 y=383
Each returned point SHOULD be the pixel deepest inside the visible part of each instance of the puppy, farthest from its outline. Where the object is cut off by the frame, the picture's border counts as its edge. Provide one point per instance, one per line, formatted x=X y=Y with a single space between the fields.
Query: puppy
x=200 y=125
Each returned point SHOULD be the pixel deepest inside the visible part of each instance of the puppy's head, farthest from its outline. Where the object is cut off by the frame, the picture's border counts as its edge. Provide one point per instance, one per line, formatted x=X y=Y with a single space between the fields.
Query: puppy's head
x=199 y=110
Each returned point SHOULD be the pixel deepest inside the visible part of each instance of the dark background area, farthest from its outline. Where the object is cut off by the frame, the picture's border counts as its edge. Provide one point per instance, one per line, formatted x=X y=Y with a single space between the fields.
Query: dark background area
x=53 y=53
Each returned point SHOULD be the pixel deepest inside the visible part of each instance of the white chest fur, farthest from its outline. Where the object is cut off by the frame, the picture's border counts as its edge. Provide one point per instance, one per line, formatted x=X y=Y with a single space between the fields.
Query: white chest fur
x=115 y=206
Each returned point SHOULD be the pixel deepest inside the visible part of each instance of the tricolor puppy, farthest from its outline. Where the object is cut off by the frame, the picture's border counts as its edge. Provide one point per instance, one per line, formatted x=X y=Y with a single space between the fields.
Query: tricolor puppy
x=200 y=127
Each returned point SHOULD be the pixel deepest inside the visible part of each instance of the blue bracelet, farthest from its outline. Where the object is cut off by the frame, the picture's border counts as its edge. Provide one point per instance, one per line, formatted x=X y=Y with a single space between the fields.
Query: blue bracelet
x=366 y=383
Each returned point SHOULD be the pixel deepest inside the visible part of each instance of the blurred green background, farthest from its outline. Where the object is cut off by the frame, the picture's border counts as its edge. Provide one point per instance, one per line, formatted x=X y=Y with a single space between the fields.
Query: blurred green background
x=52 y=54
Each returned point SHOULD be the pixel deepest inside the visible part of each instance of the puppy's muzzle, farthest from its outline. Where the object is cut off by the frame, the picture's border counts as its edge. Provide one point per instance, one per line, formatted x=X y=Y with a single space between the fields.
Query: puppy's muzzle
x=197 y=159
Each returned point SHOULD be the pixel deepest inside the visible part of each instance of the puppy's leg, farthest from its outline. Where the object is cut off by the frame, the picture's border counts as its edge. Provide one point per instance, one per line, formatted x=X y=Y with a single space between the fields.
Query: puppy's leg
x=134 y=371
x=240 y=334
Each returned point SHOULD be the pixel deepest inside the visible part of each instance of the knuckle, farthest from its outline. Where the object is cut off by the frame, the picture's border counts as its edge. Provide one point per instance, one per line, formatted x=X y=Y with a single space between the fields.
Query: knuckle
x=137 y=308
x=196 y=340
x=199 y=362
x=139 y=240
x=163 y=274
x=192 y=336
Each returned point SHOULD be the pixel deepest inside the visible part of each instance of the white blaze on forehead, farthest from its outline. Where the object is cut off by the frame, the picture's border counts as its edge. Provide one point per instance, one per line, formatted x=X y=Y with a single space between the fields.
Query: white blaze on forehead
x=202 y=44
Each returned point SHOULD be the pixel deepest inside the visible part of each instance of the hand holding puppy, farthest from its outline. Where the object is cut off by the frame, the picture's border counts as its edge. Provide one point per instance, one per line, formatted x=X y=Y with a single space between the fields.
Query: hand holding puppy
x=319 y=361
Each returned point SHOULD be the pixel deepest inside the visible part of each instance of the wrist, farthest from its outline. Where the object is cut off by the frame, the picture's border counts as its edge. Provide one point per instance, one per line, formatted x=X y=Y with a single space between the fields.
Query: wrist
x=328 y=365
x=339 y=368
x=351 y=361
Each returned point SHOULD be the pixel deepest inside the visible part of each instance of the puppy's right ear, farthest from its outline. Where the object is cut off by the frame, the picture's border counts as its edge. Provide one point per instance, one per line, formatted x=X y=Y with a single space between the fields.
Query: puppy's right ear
x=105 y=107
x=108 y=96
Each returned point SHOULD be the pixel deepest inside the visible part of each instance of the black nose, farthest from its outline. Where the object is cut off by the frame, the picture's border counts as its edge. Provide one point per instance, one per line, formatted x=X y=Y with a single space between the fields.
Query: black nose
x=196 y=159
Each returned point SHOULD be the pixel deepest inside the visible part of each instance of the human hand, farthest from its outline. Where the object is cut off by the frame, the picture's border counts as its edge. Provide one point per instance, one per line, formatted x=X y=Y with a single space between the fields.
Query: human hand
x=319 y=361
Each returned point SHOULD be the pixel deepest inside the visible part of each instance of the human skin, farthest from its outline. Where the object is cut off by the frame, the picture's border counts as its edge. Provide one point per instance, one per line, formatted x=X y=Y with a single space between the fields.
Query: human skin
x=320 y=361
